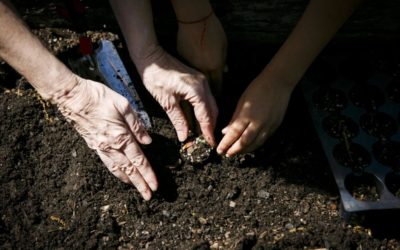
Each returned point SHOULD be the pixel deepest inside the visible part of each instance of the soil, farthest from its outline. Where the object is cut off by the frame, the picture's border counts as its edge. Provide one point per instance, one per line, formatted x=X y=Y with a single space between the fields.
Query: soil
x=363 y=187
x=56 y=193
x=378 y=124
x=352 y=155
x=340 y=126
x=366 y=96
x=393 y=89
x=387 y=153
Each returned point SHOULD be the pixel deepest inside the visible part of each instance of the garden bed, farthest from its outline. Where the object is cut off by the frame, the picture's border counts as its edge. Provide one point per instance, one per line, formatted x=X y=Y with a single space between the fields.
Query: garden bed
x=56 y=193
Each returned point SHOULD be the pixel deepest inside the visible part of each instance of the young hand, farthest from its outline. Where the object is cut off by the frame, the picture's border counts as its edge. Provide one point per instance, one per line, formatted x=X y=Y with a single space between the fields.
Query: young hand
x=258 y=114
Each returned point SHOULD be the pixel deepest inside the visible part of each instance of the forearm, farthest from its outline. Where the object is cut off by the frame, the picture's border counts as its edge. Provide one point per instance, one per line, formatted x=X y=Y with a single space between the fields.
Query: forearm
x=189 y=11
x=26 y=54
x=136 y=22
x=319 y=23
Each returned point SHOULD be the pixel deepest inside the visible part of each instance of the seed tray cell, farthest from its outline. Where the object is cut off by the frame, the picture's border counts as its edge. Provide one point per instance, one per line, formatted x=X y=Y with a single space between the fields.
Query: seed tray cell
x=358 y=124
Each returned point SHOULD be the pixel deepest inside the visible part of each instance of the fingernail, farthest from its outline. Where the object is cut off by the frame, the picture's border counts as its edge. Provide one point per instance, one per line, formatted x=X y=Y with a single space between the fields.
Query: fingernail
x=146 y=140
x=181 y=137
x=146 y=195
x=153 y=186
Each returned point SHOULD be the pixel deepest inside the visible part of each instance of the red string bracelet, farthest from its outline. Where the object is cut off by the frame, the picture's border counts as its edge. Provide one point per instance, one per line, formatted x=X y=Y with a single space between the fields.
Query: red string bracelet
x=204 y=20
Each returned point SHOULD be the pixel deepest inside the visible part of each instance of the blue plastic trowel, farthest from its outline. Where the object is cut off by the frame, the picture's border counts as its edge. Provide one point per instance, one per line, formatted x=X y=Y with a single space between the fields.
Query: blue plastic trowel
x=101 y=64
x=115 y=76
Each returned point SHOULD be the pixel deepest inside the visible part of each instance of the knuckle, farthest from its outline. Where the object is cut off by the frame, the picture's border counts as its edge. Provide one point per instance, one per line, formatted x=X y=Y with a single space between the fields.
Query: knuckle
x=115 y=169
x=201 y=77
x=138 y=161
x=142 y=188
x=235 y=131
x=245 y=140
x=103 y=146
x=136 y=127
x=125 y=104
x=120 y=141
x=127 y=168
x=199 y=89
x=178 y=122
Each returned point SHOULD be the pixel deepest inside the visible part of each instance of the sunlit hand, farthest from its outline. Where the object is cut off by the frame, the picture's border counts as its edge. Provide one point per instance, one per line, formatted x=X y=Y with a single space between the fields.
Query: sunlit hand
x=203 y=45
x=258 y=114
x=170 y=82
x=109 y=125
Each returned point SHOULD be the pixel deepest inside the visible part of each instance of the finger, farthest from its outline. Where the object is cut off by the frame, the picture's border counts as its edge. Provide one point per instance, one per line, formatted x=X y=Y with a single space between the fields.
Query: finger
x=215 y=78
x=206 y=112
x=116 y=172
x=225 y=130
x=206 y=122
x=137 y=158
x=258 y=142
x=135 y=125
x=178 y=120
x=233 y=133
x=245 y=140
x=120 y=162
x=189 y=115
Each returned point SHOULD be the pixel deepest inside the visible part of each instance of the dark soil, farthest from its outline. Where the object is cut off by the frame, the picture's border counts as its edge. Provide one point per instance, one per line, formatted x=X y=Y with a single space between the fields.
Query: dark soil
x=56 y=193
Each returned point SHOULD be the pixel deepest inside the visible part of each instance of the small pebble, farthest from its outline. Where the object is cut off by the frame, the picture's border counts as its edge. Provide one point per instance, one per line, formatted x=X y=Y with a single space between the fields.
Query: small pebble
x=232 y=204
x=202 y=221
x=263 y=194
x=234 y=194
x=165 y=213
x=289 y=226
x=214 y=246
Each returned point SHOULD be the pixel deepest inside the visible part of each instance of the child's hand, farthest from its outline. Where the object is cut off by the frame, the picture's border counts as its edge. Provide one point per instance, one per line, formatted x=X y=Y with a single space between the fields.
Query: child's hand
x=258 y=114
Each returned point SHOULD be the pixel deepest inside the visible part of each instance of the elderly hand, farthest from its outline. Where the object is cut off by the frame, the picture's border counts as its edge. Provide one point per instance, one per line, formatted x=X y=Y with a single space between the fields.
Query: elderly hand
x=170 y=82
x=108 y=124
x=258 y=114
x=203 y=45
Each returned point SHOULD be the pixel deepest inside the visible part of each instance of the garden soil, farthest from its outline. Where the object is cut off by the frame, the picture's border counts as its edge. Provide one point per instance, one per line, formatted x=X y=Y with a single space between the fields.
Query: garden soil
x=56 y=193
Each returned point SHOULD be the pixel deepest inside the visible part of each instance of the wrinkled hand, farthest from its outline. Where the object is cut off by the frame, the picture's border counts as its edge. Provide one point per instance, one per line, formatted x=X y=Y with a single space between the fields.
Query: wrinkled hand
x=258 y=114
x=109 y=125
x=205 y=50
x=170 y=82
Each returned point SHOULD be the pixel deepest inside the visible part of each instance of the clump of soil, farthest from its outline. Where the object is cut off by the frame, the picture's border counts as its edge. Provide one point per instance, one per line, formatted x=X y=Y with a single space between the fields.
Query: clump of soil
x=196 y=150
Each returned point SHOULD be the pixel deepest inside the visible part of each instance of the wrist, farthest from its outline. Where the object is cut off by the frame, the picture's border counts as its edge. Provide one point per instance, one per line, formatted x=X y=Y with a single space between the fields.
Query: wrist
x=147 y=57
x=55 y=86
x=281 y=78
x=191 y=11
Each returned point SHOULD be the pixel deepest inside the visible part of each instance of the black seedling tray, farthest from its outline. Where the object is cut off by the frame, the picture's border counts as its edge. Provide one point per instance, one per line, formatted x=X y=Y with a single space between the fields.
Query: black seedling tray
x=357 y=121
